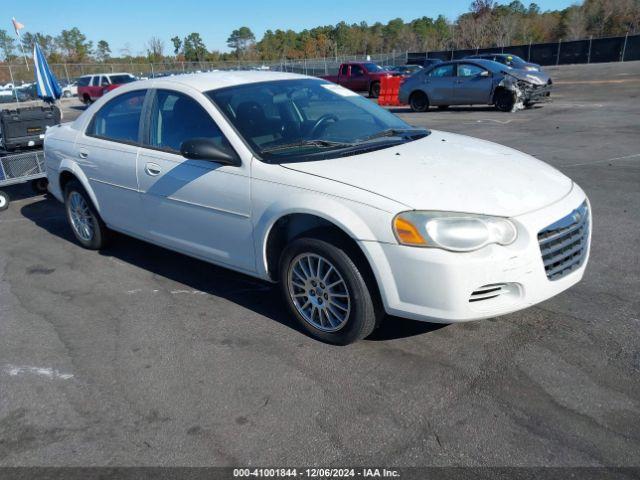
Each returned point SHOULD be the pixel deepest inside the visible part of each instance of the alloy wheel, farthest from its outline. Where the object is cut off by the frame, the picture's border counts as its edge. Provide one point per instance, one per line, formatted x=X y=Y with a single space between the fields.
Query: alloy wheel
x=319 y=292
x=81 y=217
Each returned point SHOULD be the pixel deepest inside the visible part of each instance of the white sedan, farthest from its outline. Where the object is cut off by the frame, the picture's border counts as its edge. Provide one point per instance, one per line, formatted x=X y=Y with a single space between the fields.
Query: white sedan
x=296 y=180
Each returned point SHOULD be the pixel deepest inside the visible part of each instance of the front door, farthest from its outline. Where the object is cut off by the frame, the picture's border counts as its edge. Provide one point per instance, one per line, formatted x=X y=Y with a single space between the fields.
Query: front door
x=197 y=207
x=439 y=84
x=107 y=153
x=473 y=85
x=358 y=80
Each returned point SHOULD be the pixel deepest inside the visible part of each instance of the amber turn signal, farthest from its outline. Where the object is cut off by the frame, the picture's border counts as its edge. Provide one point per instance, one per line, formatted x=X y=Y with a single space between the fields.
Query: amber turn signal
x=407 y=233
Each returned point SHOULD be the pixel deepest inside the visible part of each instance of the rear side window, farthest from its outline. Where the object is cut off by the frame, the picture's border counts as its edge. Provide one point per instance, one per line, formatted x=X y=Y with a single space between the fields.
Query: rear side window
x=176 y=117
x=344 y=69
x=119 y=119
x=443 y=71
x=84 y=81
x=95 y=81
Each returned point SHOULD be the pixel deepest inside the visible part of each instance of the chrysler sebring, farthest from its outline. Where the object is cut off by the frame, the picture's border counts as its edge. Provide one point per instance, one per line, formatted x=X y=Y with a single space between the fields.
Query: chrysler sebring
x=296 y=180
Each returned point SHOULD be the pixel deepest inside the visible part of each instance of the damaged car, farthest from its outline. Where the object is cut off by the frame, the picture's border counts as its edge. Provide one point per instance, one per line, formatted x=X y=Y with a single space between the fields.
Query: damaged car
x=475 y=82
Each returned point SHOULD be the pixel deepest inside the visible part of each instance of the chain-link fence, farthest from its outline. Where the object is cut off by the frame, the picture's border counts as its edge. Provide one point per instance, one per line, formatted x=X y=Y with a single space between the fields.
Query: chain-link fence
x=612 y=49
x=592 y=50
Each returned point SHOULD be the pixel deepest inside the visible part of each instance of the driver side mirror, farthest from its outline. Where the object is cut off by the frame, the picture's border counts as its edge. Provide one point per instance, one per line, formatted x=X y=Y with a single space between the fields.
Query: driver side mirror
x=208 y=149
x=483 y=73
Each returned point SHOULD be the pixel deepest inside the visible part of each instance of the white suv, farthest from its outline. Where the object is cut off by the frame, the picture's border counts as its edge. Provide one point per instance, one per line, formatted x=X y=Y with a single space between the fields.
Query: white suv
x=299 y=181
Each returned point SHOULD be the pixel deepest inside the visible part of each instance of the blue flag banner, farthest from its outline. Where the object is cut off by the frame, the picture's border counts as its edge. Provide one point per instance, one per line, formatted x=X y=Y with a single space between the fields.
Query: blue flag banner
x=47 y=84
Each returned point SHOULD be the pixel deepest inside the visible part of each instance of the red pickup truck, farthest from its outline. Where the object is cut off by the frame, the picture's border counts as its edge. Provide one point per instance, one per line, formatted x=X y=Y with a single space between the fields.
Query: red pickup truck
x=360 y=77
x=92 y=87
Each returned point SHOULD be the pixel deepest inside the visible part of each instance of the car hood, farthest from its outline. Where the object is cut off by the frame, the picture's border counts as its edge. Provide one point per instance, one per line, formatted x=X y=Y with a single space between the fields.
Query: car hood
x=535 y=78
x=449 y=172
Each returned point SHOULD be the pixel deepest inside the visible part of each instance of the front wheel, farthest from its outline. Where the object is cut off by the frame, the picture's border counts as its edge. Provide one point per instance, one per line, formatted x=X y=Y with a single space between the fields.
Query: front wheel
x=86 y=224
x=4 y=201
x=327 y=292
x=505 y=100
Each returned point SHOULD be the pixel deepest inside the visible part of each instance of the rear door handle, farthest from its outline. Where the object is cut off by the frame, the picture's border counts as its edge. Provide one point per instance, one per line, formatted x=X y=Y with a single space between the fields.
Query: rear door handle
x=83 y=154
x=152 y=169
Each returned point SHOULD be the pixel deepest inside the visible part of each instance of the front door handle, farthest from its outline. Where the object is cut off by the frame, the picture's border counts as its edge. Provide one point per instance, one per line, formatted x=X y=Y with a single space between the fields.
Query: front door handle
x=152 y=169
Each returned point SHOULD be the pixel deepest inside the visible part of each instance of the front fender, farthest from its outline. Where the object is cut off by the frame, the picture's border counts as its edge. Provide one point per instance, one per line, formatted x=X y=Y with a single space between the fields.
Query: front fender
x=352 y=218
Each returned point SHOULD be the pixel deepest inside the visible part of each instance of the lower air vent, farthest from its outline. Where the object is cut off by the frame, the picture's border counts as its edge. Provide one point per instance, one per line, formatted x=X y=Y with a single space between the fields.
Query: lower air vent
x=487 y=292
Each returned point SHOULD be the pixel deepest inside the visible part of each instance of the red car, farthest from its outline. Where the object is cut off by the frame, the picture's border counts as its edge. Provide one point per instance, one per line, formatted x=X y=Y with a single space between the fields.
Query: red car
x=361 y=77
x=92 y=87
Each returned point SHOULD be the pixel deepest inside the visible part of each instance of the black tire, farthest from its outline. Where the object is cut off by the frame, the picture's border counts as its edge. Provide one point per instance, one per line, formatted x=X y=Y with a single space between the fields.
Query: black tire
x=40 y=185
x=528 y=105
x=504 y=100
x=374 y=91
x=86 y=99
x=4 y=200
x=418 y=101
x=443 y=107
x=67 y=94
x=364 y=313
x=101 y=234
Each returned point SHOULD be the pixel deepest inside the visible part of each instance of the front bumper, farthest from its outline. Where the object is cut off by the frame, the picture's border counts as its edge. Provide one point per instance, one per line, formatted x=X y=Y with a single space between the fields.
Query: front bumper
x=537 y=94
x=436 y=285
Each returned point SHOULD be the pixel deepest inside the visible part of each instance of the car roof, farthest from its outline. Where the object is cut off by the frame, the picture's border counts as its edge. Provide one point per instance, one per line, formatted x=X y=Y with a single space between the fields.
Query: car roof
x=204 y=82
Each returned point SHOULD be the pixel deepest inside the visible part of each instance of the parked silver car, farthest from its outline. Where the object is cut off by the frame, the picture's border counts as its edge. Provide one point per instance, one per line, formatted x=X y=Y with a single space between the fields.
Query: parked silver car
x=473 y=82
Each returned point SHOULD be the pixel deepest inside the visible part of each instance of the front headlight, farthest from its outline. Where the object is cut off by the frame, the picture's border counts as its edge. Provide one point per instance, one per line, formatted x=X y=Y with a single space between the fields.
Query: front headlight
x=460 y=232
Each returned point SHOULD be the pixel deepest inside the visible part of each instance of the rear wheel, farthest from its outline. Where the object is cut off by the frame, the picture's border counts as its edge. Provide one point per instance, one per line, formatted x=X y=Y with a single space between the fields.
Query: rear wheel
x=4 y=201
x=327 y=292
x=66 y=94
x=505 y=100
x=86 y=99
x=86 y=224
x=419 y=102
x=374 y=91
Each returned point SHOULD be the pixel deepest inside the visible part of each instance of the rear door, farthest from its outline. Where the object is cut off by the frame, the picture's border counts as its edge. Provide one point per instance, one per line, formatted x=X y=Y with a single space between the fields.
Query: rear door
x=439 y=84
x=473 y=84
x=198 y=207
x=107 y=151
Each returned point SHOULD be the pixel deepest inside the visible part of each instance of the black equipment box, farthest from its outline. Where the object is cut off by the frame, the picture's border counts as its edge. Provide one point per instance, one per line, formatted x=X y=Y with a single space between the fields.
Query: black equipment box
x=22 y=128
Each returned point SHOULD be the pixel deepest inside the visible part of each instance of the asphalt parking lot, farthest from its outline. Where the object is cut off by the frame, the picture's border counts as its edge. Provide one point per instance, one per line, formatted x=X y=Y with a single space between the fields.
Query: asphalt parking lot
x=140 y=356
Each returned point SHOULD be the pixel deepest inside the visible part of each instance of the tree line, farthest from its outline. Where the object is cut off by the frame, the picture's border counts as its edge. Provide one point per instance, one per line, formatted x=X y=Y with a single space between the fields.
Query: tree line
x=486 y=24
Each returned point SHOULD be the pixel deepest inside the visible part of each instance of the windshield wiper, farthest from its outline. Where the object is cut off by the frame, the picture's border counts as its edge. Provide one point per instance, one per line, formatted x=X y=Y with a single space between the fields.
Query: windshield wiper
x=307 y=143
x=397 y=132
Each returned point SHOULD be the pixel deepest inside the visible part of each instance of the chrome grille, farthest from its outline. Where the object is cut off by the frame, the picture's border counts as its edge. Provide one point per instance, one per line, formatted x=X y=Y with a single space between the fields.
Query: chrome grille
x=563 y=244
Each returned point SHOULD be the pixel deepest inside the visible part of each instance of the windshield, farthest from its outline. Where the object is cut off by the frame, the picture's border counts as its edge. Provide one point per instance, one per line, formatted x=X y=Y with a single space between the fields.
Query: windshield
x=297 y=120
x=120 y=79
x=514 y=61
x=372 y=67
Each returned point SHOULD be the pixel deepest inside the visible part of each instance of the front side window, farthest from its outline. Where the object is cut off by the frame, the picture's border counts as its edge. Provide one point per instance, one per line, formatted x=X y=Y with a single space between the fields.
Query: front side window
x=294 y=120
x=104 y=82
x=119 y=119
x=443 y=71
x=176 y=117
x=469 y=70
x=356 y=70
